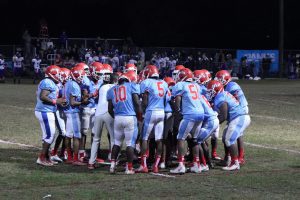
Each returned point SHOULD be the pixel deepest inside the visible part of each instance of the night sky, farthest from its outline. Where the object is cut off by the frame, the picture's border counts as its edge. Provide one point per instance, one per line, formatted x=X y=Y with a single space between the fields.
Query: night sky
x=247 y=24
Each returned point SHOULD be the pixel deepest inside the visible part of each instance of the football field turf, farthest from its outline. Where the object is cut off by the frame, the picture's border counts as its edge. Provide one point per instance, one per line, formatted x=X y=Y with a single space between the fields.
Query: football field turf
x=272 y=169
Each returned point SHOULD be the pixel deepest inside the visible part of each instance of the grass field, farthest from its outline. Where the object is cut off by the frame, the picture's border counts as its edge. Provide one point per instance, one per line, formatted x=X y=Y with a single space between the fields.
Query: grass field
x=272 y=170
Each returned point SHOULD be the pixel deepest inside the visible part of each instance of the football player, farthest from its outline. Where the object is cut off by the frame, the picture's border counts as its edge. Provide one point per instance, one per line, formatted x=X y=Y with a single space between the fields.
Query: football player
x=125 y=108
x=229 y=109
x=233 y=88
x=37 y=68
x=102 y=117
x=89 y=87
x=168 y=125
x=202 y=77
x=73 y=126
x=187 y=101
x=130 y=67
x=2 y=67
x=176 y=71
x=154 y=93
x=45 y=108
x=18 y=67
x=60 y=118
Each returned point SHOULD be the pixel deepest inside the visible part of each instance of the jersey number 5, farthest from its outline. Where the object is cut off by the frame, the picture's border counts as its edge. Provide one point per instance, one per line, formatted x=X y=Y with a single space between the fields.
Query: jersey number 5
x=194 y=92
x=160 y=89
x=120 y=93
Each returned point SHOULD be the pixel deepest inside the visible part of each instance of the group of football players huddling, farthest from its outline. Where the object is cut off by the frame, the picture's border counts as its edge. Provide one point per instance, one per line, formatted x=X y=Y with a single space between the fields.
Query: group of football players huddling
x=145 y=113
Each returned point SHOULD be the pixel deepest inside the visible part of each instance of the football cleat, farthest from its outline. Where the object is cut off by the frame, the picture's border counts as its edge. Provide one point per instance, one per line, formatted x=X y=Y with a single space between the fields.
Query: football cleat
x=53 y=162
x=99 y=160
x=39 y=161
x=233 y=166
x=129 y=172
x=216 y=157
x=155 y=169
x=162 y=165
x=242 y=161
x=142 y=169
x=178 y=170
x=56 y=158
x=195 y=169
x=225 y=162
x=204 y=168
x=91 y=166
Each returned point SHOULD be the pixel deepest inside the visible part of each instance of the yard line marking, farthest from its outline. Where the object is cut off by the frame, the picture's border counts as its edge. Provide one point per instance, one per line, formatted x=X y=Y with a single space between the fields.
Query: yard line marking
x=162 y=175
x=276 y=101
x=17 y=107
x=274 y=118
x=19 y=144
x=273 y=148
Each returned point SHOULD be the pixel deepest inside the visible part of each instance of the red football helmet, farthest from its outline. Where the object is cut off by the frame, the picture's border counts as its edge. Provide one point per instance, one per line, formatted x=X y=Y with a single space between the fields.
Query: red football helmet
x=108 y=70
x=169 y=81
x=213 y=88
x=223 y=76
x=184 y=75
x=64 y=75
x=132 y=76
x=85 y=67
x=96 y=70
x=151 y=71
x=53 y=72
x=108 y=67
x=207 y=74
x=176 y=70
x=130 y=67
x=201 y=77
x=77 y=73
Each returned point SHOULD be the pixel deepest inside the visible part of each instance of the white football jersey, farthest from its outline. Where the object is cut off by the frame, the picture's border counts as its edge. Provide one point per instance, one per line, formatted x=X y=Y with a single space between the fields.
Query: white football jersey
x=18 y=61
x=36 y=63
x=1 y=63
x=102 y=106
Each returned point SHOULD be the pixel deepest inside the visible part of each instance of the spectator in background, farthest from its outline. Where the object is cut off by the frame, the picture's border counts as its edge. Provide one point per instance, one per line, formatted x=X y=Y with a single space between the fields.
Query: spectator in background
x=18 y=67
x=2 y=68
x=36 y=61
x=27 y=44
x=63 y=39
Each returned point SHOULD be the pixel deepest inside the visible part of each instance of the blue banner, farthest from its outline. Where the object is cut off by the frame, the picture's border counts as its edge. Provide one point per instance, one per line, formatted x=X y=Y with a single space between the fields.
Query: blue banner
x=258 y=55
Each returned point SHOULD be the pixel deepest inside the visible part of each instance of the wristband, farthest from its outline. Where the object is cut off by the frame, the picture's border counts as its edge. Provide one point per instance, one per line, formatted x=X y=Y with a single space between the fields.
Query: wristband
x=54 y=101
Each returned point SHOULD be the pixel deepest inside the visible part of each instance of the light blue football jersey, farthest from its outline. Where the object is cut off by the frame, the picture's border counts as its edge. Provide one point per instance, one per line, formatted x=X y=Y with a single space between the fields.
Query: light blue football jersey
x=46 y=84
x=234 y=107
x=203 y=89
x=157 y=90
x=234 y=89
x=121 y=96
x=209 y=113
x=72 y=88
x=91 y=87
x=189 y=93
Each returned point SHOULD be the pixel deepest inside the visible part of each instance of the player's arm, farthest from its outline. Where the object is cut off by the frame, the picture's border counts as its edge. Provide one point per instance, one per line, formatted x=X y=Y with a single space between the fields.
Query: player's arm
x=223 y=112
x=111 y=108
x=137 y=106
x=44 y=96
x=73 y=101
x=145 y=100
x=176 y=104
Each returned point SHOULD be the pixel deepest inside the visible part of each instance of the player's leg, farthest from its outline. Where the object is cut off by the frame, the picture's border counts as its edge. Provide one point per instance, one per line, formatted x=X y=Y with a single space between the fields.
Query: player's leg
x=109 y=124
x=131 y=132
x=158 y=131
x=240 y=141
x=147 y=128
x=195 y=147
x=234 y=130
x=68 y=138
x=214 y=144
x=167 y=134
x=76 y=139
x=177 y=120
x=47 y=122
x=184 y=129
x=61 y=126
x=119 y=135
x=98 y=126
x=85 y=124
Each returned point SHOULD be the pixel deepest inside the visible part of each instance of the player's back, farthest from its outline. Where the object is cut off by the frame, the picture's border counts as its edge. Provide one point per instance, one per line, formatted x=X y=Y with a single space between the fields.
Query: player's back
x=121 y=96
x=234 y=107
x=72 y=89
x=234 y=89
x=189 y=92
x=46 y=84
x=157 y=90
